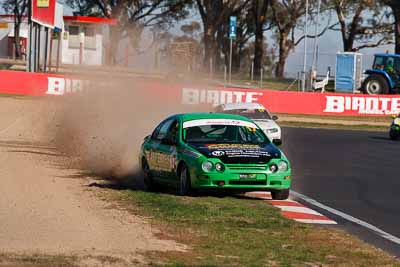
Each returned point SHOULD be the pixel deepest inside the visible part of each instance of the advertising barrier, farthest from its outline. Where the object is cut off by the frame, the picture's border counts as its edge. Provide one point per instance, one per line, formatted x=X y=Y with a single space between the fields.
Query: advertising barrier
x=36 y=84
x=298 y=102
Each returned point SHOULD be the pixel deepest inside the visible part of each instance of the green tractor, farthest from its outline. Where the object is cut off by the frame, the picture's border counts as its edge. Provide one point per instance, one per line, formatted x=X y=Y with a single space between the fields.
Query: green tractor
x=384 y=77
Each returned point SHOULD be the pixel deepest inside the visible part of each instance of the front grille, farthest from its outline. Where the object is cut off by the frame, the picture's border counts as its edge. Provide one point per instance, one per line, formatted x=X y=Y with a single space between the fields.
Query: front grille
x=244 y=182
x=245 y=167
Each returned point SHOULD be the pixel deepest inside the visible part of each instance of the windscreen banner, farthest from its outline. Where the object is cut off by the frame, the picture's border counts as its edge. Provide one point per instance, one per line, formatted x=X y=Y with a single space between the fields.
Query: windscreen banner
x=39 y=84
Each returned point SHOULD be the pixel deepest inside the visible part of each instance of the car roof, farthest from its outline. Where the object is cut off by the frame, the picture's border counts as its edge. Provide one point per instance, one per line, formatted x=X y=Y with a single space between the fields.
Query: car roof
x=231 y=106
x=200 y=116
x=387 y=55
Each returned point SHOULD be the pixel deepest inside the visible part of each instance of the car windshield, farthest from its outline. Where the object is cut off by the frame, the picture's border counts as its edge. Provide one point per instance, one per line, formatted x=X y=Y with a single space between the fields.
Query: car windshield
x=254 y=114
x=229 y=134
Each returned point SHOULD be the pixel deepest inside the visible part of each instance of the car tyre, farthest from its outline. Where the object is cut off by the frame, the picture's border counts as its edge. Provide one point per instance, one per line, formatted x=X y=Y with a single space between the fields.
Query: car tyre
x=375 y=85
x=280 y=194
x=148 y=178
x=393 y=135
x=185 y=186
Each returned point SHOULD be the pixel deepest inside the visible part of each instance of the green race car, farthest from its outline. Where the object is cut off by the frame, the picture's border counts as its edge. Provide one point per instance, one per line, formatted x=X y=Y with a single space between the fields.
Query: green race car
x=394 y=131
x=214 y=151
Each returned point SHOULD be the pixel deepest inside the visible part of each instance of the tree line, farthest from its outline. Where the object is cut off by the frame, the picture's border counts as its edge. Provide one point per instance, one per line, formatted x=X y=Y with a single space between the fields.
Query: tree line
x=268 y=30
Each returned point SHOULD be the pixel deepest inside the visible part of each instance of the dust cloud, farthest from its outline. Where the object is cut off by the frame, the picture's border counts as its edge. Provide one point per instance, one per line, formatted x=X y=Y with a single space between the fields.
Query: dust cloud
x=104 y=125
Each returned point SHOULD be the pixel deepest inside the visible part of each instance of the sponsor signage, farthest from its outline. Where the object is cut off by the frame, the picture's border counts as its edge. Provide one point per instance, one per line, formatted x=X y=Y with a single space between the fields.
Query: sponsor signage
x=39 y=84
x=297 y=102
x=237 y=150
x=43 y=12
x=43 y=3
x=362 y=105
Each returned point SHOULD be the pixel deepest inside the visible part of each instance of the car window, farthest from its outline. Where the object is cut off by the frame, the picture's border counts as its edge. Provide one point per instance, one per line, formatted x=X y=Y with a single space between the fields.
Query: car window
x=173 y=130
x=162 y=129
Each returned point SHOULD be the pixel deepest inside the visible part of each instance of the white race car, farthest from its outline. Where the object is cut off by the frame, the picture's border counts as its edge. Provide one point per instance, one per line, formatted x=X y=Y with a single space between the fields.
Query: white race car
x=258 y=113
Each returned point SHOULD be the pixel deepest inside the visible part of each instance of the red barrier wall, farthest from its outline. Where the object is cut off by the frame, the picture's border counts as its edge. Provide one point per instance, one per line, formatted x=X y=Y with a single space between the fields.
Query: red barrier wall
x=298 y=102
x=36 y=84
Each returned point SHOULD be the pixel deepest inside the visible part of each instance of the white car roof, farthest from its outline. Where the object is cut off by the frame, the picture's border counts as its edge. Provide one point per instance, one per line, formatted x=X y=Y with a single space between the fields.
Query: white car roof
x=231 y=106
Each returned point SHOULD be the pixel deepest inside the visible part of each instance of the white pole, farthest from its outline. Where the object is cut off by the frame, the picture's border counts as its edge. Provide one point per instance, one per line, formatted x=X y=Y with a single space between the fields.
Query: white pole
x=224 y=75
x=230 y=62
x=314 y=66
x=305 y=49
x=252 y=70
x=211 y=70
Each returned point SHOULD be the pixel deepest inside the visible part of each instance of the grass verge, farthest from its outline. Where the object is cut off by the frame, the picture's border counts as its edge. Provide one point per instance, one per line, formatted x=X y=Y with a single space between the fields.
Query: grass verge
x=234 y=231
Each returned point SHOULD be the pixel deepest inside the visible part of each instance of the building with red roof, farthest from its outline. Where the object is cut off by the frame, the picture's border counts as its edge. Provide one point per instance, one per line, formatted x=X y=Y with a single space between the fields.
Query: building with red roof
x=75 y=40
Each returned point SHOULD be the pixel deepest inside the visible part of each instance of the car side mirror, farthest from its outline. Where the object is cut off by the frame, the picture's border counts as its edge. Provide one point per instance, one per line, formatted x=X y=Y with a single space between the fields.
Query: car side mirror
x=275 y=118
x=277 y=142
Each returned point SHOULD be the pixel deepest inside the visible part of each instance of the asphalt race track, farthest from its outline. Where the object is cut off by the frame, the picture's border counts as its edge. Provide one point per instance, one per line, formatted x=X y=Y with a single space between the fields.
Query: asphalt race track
x=355 y=172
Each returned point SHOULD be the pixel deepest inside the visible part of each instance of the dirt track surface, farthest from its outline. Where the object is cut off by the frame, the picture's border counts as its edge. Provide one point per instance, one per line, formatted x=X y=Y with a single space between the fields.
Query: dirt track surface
x=45 y=207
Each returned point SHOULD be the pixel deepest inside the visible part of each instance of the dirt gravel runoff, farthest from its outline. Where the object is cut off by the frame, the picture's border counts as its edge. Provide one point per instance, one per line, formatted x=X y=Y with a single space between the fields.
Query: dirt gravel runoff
x=45 y=205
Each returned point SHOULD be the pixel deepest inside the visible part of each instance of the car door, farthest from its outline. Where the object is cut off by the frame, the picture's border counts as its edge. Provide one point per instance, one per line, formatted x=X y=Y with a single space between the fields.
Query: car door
x=167 y=153
x=154 y=157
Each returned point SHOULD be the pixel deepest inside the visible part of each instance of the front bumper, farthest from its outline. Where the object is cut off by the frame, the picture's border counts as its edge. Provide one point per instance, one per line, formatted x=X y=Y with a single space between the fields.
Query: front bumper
x=229 y=179
x=395 y=128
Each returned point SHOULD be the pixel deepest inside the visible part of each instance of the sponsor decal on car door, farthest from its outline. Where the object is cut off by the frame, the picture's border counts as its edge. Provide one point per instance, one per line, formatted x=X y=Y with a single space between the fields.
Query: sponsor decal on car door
x=168 y=153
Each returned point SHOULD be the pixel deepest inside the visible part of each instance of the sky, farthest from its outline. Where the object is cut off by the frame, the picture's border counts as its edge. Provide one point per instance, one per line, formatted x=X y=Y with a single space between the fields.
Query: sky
x=329 y=45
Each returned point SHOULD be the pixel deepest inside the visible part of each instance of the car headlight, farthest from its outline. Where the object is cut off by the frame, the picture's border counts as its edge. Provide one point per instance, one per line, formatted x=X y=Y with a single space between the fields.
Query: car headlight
x=207 y=166
x=273 y=130
x=283 y=166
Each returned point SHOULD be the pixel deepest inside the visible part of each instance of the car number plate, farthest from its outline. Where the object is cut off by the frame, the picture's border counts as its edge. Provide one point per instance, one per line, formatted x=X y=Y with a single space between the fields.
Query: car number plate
x=248 y=176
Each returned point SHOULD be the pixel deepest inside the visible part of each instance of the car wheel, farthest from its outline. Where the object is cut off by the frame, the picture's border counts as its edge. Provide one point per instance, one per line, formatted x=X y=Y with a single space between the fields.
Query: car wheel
x=148 y=178
x=280 y=194
x=185 y=188
x=375 y=85
x=393 y=135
